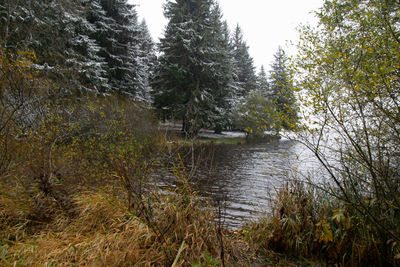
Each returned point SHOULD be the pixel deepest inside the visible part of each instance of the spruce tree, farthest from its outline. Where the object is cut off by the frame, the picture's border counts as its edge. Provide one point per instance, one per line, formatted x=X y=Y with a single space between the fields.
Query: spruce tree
x=191 y=76
x=262 y=82
x=58 y=33
x=282 y=90
x=82 y=45
x=224 y=69
x=82 y=51
x=118 y=36
x=147 y=62
x=244 y=71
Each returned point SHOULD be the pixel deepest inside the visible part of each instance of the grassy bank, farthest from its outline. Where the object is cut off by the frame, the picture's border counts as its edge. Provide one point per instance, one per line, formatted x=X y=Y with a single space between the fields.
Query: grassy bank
x=224 y=141
x=239 y=140
x=103 y=232
x=221 y=140
x=76 y=190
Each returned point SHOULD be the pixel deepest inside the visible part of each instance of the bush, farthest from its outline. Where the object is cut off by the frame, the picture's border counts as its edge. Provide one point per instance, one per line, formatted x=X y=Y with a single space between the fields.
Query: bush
x=307 y=222
x=256 y=115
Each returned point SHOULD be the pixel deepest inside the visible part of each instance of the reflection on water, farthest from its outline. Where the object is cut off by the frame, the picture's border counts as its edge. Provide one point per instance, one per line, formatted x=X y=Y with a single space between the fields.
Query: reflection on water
x=245 y=177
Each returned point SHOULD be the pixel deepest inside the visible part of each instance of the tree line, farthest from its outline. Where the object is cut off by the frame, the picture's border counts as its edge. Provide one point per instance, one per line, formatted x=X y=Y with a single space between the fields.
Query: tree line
x=199 y=73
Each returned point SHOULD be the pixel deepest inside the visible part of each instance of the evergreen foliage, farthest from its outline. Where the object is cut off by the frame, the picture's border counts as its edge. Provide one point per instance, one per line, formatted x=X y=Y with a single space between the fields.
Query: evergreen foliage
x=147 y=62
x=58 y=33
x=282 y=90
x=245 y=79
x=224 y=60
x=82 y=45
x=262 y=82
x=119 y=41
x=193 y=75
x=201 y=72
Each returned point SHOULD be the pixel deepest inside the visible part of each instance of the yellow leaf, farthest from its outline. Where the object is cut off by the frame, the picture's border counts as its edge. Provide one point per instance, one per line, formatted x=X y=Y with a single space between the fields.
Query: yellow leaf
x=326 y=233
x=338 y=215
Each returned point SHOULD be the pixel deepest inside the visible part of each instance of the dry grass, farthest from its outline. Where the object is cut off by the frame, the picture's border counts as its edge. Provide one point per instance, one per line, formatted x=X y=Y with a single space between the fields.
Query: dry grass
x=75 y=192
x=104 y=233
x=311 y=225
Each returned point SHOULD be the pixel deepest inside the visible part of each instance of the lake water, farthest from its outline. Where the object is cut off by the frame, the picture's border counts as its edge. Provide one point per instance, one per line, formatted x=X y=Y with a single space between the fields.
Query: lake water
x=244 y=178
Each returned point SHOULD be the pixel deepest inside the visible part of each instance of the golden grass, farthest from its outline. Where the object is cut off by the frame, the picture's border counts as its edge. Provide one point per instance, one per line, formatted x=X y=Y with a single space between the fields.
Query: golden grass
x=104 y=233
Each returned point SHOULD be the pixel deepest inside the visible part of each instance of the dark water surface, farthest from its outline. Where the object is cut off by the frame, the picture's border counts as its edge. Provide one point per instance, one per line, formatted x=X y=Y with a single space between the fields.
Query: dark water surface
x=246 y=177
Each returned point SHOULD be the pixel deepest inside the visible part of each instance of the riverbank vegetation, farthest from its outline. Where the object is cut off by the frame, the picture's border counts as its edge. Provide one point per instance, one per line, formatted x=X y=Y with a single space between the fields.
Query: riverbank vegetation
x=77 y=183
x=348 y=74
x=76 y=189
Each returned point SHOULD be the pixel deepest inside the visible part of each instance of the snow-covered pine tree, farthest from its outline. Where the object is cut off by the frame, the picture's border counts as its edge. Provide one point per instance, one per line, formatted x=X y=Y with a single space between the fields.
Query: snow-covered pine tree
x=190 y=74
x=82 y=45
x=262 y=82
x=58 y=33
x=224 y=63
x=117 y=35
x=281 y=88
x=82 y=51
x=147 y=62
x=244 y=71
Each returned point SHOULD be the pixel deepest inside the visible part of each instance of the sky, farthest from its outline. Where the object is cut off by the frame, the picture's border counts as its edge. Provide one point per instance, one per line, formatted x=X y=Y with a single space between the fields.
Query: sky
x=266 y=24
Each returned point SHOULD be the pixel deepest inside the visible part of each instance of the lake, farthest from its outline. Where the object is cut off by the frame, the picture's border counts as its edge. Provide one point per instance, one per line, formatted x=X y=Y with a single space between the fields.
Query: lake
x=244 y=178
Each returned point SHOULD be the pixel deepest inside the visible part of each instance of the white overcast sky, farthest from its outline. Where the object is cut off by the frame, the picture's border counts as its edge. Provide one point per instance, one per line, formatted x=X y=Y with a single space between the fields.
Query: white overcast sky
x=266 y=24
